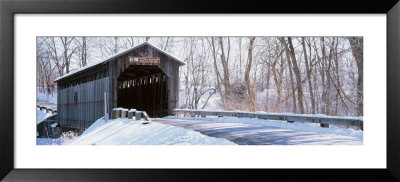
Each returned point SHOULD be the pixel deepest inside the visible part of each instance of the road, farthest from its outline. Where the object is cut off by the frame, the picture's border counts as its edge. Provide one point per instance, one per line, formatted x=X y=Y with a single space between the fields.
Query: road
x=248 y=134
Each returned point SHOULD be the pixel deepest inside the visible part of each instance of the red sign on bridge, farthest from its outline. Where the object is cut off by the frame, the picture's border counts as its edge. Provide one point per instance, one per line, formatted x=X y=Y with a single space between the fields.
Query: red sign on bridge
x=144 y=59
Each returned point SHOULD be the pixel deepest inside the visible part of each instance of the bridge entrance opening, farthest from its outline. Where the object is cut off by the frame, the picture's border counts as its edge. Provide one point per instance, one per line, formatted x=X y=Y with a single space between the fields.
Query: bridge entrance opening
x=144 y=88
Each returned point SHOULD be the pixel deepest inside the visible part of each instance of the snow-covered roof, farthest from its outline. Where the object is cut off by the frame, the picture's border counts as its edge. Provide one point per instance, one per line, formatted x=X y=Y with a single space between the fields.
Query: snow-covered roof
x=119 y=54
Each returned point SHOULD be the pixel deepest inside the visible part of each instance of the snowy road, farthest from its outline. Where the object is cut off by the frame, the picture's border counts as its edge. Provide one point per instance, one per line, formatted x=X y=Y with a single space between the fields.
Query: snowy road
x=251 y=134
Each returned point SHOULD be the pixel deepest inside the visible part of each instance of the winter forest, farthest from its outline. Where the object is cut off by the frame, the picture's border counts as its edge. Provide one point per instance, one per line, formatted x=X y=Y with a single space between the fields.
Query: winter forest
x=304 y=75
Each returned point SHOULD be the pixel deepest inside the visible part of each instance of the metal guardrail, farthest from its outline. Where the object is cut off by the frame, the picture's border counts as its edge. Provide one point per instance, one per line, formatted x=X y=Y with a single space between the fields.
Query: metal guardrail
x=343 y=121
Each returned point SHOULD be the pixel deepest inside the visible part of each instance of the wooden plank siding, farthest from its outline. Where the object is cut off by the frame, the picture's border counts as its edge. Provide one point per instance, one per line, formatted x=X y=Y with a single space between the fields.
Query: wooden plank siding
x=153 y=87
x=90 y=105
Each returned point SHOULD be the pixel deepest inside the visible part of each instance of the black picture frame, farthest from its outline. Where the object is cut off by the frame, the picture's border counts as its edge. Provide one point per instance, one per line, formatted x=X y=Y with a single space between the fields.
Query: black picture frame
x=9 y=8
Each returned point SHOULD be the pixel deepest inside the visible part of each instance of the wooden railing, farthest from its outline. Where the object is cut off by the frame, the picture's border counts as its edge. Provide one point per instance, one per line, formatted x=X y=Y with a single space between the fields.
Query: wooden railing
x=324 y=120
x=47 y=109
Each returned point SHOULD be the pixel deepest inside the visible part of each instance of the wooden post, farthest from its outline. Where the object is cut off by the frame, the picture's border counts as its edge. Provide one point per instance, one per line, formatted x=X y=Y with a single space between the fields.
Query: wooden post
x=113 y=113
x=116 y=113
x=124 y=113
x=324 y=125
x=105 y=107
x=146 y=117
x=131 y=113
x=138 y=115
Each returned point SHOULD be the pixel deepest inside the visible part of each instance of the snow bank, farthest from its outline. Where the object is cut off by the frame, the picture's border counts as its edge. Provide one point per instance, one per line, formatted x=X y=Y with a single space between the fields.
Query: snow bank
x=298 y=126
x=125 y=131
x=41 y=116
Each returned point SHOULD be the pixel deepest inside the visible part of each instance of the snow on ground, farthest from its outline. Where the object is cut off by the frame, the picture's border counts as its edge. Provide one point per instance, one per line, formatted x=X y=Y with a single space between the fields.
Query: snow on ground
x=251 y=134
x=46 y=99
x=131 y=132
x=298 y=126
x=41 y=115
x=49 y=141
x=45 y=96
x=65 y=139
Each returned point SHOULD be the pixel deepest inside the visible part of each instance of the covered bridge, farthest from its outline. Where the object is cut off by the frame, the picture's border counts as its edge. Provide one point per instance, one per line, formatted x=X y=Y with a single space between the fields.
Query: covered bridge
x=143 y=77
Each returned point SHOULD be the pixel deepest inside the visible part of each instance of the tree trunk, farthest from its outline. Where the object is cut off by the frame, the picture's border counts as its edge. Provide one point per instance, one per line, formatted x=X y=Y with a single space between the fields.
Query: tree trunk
x=278 y=81
x=84 y=51
x=250 y=88
x=283 y=41
x=336 y=59
x=297 y=74
x=218 y=75
x=226 y=80
x=322 y=71
x=325 y=92
x=357 y=50
x=267 y=89
x=308 y=69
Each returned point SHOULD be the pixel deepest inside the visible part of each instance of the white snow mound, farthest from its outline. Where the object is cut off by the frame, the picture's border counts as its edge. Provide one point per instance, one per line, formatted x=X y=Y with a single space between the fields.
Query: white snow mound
x=125 y=131
x=41 y=115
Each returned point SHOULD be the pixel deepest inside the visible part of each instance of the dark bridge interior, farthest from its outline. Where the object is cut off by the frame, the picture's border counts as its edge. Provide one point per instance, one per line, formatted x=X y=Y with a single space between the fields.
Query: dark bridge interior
x=144 y=88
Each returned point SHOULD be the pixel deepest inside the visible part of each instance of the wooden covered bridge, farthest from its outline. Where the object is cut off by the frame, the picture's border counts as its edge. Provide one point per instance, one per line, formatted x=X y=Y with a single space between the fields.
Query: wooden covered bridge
x=143 y=77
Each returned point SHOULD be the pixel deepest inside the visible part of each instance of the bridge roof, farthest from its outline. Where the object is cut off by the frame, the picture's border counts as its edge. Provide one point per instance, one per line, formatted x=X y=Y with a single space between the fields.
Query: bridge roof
x=95 y=63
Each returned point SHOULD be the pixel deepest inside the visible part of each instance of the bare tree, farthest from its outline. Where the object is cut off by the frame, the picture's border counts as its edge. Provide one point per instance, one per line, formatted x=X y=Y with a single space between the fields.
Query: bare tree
x=277 y=67
x=226 y=79
x=357 y=50
x=132 y=41
x=217 y=73
x=283 y=41
x=45 y=64
x=55 y=54
x=110 y=46
x=82 y=50
x=250 y=87
x=296 y=70
x=308 y=70
x=68 y=50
